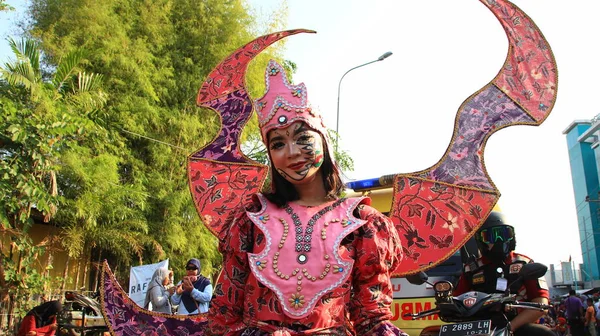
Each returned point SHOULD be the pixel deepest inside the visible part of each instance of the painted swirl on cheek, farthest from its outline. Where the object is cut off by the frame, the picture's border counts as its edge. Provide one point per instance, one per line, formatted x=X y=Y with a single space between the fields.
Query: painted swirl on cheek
x=307 y=145
x=319 y=158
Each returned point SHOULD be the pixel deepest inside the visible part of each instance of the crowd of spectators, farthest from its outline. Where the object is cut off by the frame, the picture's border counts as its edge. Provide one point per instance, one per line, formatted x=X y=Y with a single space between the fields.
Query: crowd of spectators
x=575 y=315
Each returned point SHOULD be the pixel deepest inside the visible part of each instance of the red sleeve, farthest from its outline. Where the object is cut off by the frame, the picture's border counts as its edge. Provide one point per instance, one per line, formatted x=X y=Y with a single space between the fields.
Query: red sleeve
x=378 y=251
x=28 y=324
x=536 y=288
x=463 y=286
x=227 y=306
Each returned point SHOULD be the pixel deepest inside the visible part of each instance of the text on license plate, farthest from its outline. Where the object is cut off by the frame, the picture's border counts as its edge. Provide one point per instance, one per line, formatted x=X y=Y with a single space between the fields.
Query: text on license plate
x=466 y=328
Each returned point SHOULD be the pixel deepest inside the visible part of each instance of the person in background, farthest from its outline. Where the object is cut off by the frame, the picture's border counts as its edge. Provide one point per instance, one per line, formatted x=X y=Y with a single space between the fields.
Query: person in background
x=496 y=241
x=157 y=293
x=590 y=317
x=194 y=292
x=597 y=307
x=574 y=312
x=561 y=326
x=41 y=320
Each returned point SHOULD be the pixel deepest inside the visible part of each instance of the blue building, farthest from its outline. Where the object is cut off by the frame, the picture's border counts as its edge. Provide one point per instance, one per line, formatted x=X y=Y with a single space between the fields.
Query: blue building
x=583 y=141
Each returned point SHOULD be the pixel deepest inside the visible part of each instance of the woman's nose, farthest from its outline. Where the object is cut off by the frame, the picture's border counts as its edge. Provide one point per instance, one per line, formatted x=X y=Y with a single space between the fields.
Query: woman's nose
x=293 y=149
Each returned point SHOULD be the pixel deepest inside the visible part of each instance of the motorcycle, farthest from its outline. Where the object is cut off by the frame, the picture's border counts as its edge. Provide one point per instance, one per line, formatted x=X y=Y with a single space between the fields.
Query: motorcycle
x=477 y=313
x=81 y=316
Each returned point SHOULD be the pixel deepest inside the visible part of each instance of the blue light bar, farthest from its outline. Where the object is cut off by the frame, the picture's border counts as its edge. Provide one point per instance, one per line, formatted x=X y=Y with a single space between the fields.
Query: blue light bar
x=372 y=183
x=364 y=184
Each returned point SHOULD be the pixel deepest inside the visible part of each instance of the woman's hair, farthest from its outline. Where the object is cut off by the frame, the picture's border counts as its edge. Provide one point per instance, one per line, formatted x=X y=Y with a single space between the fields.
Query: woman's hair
x=284 y=191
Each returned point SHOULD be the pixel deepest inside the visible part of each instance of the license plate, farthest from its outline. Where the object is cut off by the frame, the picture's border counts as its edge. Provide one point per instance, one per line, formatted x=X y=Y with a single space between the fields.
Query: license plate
x=466 y=328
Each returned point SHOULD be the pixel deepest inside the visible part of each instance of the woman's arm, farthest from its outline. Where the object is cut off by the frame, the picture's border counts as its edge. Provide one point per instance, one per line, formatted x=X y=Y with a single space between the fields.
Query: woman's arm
x=159 y=297
x=203 y=296
x=176 y=298
x=28 y=327
x=378 y=252
x=225 y=315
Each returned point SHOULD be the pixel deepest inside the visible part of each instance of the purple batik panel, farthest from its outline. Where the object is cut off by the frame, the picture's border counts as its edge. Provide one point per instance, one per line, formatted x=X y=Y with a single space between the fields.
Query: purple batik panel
x=488 y=111
x=234 y=109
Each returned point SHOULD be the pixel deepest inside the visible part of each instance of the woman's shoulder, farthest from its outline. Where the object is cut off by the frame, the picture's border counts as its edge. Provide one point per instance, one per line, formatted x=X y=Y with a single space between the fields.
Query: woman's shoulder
x=365 y=211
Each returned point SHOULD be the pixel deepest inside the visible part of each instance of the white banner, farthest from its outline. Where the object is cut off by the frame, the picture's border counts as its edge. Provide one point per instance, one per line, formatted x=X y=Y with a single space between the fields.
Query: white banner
x=139 y=278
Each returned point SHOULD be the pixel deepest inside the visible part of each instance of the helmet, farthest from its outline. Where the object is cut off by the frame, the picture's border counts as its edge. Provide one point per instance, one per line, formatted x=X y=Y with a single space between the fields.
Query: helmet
x=495 y=239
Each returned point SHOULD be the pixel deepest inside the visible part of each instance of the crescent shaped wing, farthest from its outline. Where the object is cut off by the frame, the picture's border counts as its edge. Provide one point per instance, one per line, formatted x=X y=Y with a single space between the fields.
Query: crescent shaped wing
x=456 y=195
x=123 y=316
x=220 y=176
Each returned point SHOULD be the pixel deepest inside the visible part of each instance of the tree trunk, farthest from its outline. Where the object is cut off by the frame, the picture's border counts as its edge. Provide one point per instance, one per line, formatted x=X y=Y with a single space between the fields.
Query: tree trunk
x=86 y=267
x=78 y=273
x=66 y=271
x=3 y=289
x=12 y=302
x=98 y=270
x=49 y=262
x=11 y=311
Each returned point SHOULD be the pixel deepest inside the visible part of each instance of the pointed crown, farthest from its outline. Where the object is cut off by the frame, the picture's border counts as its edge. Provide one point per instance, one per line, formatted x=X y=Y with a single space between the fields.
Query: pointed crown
x=284 y=103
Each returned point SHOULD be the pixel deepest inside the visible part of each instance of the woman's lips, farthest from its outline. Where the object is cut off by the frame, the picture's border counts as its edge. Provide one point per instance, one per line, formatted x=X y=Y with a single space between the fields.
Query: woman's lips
x=297 y=166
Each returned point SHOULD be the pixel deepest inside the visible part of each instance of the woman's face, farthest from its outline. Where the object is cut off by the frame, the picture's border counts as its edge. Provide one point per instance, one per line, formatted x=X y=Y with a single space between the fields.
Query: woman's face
x=167 y=279
x=296 y=152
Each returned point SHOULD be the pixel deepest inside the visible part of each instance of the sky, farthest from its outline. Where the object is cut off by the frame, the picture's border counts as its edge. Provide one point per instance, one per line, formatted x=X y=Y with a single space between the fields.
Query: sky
x=397 y=116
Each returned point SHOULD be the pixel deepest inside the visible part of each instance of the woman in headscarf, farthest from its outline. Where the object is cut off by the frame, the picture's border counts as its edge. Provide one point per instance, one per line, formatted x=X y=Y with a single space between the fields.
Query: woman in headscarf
x=41 y=320
x=157 y=293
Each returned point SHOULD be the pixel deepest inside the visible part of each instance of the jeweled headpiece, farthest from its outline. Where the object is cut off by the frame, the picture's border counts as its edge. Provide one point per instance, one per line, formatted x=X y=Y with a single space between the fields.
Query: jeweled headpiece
x=284 y=103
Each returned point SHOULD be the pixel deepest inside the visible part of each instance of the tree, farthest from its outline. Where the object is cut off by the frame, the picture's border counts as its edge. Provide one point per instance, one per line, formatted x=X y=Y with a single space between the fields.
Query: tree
x=43 y=115
x=4 y=6
x=154 y=56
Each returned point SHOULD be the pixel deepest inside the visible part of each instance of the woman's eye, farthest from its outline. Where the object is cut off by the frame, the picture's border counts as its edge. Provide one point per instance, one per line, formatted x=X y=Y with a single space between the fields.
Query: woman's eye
x=303 y=139
x=276 y=145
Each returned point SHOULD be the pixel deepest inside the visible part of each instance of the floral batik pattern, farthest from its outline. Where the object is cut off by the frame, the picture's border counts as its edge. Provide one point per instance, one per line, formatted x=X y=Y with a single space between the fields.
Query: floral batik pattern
x=244 y=306
x=438 y=209
x=221 y=177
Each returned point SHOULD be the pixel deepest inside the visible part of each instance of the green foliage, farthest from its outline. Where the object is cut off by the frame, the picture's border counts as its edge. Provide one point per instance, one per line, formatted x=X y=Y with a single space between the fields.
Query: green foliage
x=5 y=7
x=153 y=56
x=28 y=281
x=115 y=169
x=38 y=122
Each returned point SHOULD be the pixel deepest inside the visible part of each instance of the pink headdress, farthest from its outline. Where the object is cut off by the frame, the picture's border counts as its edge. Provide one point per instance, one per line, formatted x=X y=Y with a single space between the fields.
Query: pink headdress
x=284 y=103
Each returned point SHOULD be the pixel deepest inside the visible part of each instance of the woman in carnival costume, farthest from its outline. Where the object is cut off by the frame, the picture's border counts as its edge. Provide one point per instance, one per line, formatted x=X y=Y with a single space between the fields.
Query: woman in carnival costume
x=299 y=260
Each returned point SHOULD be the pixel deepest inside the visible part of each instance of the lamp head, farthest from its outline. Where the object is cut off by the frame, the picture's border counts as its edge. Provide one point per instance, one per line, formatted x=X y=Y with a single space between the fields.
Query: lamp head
x=384 y=56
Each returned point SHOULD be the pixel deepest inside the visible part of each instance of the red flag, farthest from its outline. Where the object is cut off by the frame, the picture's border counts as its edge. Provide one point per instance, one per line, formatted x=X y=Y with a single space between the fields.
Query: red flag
x=569 y=258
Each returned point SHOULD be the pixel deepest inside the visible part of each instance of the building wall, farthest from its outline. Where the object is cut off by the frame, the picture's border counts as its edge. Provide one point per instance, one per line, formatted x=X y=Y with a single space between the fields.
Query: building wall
x=585 y=172
x=38 y=232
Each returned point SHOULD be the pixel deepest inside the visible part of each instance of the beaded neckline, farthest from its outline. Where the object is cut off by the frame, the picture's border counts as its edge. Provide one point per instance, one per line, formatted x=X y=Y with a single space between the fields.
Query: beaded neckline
x=303 y=239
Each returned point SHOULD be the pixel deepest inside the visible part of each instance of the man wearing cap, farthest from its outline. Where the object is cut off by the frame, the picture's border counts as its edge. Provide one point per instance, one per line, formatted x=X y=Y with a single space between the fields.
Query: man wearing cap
x=194 y=292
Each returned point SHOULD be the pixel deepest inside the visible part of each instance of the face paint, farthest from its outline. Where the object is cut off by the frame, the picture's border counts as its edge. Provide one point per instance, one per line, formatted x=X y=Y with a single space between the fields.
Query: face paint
x=319 y=159
x=296 y=152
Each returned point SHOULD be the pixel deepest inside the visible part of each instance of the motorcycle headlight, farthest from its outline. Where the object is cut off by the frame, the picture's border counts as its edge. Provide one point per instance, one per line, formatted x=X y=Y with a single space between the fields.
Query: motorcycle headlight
x=442 y=286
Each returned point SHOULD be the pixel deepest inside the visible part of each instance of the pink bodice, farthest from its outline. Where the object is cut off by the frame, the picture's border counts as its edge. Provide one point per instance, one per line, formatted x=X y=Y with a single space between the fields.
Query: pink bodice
x=301 y=261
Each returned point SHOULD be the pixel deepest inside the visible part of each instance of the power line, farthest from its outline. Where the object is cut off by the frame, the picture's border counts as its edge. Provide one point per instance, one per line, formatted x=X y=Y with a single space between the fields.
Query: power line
x=151 y=139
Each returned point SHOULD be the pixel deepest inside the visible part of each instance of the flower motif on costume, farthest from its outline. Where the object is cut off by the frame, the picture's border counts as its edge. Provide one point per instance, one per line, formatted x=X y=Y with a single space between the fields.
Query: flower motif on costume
x=261 y=264
x=273 y=71
x=451 y=223
x=297 y=300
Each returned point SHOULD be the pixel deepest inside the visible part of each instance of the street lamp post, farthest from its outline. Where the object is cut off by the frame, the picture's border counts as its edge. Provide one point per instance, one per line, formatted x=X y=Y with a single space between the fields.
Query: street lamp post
x=337 y=121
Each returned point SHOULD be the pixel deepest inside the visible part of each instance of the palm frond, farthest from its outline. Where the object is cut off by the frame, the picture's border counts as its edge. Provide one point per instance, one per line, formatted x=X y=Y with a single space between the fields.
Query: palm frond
x=27 y=50
x=16 y=78
x=88 y=82
x=66 y=68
